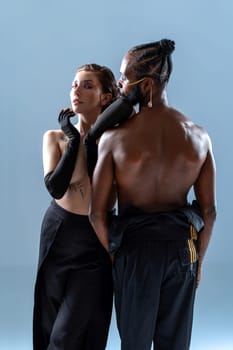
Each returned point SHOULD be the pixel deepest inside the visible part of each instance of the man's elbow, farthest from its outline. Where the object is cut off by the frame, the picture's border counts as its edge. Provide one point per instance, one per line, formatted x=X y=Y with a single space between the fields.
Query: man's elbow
x=94 y=218
x=210 y=214
x=97 y=219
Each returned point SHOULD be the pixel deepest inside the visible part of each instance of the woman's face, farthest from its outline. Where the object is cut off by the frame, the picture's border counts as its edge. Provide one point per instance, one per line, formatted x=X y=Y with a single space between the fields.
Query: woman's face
x=86 y=94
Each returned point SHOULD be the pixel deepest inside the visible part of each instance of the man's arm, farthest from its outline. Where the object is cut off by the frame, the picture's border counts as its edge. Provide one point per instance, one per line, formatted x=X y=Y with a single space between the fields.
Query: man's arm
x=101 y=190
x=205 y=192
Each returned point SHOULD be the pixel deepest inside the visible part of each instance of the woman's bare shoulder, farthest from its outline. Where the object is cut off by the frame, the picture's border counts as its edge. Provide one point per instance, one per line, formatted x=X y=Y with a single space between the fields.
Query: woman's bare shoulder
x=53 y=136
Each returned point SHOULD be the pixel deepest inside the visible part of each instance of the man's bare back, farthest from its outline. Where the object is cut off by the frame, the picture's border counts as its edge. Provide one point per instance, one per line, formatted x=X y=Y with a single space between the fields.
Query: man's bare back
x=157 y=156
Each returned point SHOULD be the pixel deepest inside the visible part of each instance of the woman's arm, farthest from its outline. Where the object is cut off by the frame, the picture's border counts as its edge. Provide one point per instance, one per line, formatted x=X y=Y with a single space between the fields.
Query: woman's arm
x=58 y=169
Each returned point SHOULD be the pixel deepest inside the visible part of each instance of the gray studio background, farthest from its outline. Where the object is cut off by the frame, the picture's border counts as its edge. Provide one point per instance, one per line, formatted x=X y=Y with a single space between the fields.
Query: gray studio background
x=42 y=43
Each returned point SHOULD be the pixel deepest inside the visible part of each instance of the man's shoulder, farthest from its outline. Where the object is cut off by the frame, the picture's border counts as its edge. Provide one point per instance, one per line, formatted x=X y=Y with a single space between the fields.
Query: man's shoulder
x=184 y=120
x=191 y=132
x=107 y=138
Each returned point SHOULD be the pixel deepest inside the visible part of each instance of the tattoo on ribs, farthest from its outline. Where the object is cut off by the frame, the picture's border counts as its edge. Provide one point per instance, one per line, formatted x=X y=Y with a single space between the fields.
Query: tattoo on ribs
x=79 y=187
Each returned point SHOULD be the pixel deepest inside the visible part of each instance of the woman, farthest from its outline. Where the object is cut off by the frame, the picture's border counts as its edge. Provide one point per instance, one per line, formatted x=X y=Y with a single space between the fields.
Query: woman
x=73 y=290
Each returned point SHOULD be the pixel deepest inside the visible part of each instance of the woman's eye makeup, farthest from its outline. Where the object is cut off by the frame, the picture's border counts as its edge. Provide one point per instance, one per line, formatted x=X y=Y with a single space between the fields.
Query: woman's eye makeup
x=86 y=84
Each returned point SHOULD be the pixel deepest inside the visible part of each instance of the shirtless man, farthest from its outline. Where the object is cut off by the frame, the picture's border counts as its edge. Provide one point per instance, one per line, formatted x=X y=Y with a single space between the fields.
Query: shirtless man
x=158 y=239
x=73 y=291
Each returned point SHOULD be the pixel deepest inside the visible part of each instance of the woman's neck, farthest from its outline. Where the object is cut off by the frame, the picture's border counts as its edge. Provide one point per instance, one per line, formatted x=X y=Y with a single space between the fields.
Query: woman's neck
x=85 y=122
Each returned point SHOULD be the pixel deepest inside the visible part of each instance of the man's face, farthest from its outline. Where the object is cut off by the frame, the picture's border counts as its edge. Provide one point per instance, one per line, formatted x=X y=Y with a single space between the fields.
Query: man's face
x=127 y=78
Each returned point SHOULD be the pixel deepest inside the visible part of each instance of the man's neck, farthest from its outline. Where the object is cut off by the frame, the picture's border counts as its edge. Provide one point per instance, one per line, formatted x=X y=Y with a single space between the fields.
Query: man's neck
x=158 y=101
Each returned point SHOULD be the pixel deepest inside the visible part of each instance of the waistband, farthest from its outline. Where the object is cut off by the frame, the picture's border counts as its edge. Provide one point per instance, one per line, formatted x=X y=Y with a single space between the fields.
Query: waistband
x=67 y=215
x=136 y=224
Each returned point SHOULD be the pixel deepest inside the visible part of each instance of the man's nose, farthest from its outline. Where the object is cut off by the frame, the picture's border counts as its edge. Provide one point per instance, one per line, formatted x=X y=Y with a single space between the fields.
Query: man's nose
x=119 y=84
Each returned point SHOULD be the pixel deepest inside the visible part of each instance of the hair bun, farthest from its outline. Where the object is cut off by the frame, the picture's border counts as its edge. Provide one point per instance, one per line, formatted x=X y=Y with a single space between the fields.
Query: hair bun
x=167 y=46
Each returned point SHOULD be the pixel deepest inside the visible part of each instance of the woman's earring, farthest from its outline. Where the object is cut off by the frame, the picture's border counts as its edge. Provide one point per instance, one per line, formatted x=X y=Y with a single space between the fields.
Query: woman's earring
x=150 y=104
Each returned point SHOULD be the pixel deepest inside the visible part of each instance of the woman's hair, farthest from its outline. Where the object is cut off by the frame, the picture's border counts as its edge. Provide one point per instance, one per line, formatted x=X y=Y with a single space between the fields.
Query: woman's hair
x=105 y=77
x=153 y=60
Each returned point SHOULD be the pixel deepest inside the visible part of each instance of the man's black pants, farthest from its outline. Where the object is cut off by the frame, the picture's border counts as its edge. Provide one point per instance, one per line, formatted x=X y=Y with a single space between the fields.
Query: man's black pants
x=155 y=282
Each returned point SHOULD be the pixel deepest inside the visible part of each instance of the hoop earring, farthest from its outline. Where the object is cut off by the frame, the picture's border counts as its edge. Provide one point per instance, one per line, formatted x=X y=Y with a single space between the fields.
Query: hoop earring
x=150 y=103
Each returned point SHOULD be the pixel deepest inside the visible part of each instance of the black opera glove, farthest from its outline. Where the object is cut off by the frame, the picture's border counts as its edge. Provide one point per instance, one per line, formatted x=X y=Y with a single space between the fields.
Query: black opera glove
x=66 y=126
x=119 y=111
x=58 y=180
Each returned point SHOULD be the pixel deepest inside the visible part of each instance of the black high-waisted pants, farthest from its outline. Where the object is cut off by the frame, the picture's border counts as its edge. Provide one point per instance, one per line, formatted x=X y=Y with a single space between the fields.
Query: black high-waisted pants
x=155 y=282
x=73 y=290
x=154 y=296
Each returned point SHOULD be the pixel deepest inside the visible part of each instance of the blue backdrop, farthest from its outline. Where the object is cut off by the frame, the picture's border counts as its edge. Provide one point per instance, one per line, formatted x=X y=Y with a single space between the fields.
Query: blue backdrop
x=42 y=43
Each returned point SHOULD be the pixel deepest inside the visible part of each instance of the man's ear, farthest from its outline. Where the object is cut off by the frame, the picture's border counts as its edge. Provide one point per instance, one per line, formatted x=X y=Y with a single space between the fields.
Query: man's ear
x=146 y=85
x=105 y=99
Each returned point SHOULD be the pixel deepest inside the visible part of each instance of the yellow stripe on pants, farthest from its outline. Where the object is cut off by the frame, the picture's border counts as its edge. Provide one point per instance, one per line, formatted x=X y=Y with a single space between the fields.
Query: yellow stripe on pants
x=192 y=248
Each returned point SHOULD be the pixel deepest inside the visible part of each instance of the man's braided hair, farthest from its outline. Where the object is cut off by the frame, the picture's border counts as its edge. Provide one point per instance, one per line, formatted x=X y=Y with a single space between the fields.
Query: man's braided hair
x=153 y=60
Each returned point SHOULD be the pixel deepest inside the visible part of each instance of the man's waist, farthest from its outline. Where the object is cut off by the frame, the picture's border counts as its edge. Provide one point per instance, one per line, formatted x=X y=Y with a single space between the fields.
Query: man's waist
x=134 y=223
x=154 y=225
